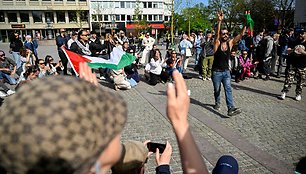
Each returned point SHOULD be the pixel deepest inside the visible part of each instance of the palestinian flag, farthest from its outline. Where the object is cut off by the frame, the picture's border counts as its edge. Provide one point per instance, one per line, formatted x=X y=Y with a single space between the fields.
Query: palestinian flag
x=118 y=60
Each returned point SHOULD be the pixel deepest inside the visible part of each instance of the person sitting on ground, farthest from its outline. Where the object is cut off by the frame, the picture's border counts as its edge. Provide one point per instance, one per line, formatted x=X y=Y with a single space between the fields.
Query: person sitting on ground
x=43 y=69
x=244 y=67
x=154 y=68
x=5 y=91
x=55 y=68
x=135 y=155
x=6 y=71
x=120 y=79
x=30 y=74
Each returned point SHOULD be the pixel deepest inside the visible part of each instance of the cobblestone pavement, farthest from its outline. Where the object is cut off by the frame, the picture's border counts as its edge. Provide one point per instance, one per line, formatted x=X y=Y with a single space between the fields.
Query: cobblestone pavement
x=267 y=137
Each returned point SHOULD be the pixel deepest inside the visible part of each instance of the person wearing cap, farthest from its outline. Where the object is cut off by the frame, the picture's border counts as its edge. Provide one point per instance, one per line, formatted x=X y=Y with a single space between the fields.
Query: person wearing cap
x=61 y=41
x=135 y=155
x=226 y=165
x=72 y=126
x=296 y=67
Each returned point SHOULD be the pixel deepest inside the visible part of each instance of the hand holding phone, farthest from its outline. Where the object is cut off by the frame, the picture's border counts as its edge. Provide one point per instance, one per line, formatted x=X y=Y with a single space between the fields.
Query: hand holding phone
x=153 y=146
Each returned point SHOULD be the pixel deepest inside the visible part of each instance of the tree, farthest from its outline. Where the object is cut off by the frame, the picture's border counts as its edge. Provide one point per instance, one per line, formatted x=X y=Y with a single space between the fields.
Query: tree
x=141 y=24
x=285 y=12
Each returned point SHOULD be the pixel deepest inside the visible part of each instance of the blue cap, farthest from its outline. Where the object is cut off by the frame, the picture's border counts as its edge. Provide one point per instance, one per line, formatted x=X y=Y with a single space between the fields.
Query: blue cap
x=226 y=165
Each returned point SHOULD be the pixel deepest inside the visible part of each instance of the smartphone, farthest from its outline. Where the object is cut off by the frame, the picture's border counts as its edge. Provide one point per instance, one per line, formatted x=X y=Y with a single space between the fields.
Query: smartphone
x=152 y=147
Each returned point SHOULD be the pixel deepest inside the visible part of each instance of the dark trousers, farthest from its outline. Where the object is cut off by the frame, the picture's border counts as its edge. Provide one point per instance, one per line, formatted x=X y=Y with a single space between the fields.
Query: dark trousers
x=64 y=60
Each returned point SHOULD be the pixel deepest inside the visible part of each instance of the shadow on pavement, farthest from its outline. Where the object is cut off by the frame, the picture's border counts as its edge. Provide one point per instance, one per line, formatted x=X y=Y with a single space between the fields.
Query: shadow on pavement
x=208 y=107
x=238 y=87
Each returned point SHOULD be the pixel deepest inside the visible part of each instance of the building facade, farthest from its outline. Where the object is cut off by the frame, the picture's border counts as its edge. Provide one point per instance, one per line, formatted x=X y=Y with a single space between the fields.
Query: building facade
x=107 y=16
x=42 y=18
x=300 y=13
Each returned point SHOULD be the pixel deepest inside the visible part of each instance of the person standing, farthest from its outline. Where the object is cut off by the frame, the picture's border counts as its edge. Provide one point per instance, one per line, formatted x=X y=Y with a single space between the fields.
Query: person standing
x=61 y=41
x=208 y=58
x=148 y=43
x=284 y=42
x=31 y=45
x=198 y=48
x=221 y=72
x=296 y=67
x=185 y=48
x=15 y=46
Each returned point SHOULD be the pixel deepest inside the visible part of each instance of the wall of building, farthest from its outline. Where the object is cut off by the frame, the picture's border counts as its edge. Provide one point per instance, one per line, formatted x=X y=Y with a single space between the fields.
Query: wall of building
x=300 y=13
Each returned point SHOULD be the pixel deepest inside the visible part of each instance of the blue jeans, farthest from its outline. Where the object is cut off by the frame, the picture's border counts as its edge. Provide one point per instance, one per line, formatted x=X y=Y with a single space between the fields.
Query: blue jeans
x=223 y=77
x=16 y=58
x=10 y=79
x=197 y=56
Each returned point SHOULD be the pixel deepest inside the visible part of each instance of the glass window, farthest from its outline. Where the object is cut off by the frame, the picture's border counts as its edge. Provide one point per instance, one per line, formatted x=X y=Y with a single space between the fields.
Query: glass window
x=150 y=17
x=122 y=17
x=155 y=17
x=155 y=5
x=72 y=16
x=128 y=17
x=149 y=4
x=105 y=17
x=12 y=17
x=160 y=17
x=122 y=4
x=84 y=16
x=94 y=18
x=117 y=4
x=24 y=16
x=166 y=18
x=133 y=4
x=145 y=17
x=100 y=17
x=117 y=17
x=49 y=17
x=2 y=18
x=60 y=16
x=160 y=5
x=144 y=4
x=37 y=16
x=111 y=4
x=128 y=4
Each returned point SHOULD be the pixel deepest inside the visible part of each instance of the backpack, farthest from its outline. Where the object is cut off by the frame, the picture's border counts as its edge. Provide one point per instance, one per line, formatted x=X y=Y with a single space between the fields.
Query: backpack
x=261 y=49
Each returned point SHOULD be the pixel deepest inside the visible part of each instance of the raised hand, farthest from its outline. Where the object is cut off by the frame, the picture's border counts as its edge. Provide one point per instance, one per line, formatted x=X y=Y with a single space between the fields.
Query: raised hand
x=220 y=15
x=86 y=74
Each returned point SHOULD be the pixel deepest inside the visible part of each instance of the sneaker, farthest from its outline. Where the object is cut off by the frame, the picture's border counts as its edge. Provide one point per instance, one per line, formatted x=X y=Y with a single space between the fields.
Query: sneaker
x=2 y=94
x=283 y=96
x=217 y=106
x=298 y=98
x=200 y=77
x=208 y=78
x=10 y=92
x=102 y=78
x=233 y=111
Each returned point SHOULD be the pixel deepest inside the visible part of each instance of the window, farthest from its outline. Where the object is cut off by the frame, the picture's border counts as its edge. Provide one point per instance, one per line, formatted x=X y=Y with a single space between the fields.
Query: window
x=24 y=16
x=128 y=17
x=49 y=17
x=155 y=5
x=139 y=17
x=133 y=4
x=117 y=4
x=122 y=17
x=37 y=16
x=145 y=17
x=122 y=5
x=150 y=17
x=12 y=17
x=94 y=18
x=84 y=16
x=100 y=17
x=128 y=4
x=166 y=18
x=160 y=5
x=160 y=17
x=60 y=16
x=149 y=4
x=144 y=4
x=105 y=17
x=155 y=17
x=117 y=17
x=2 y=18
x=72 y=16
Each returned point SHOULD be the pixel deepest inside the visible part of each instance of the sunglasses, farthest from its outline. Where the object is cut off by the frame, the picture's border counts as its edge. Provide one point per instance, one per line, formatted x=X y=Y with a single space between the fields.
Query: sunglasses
x=225 y=33
x=2 y=55
x=41 y=63
x=85 y=35
x=173 y=53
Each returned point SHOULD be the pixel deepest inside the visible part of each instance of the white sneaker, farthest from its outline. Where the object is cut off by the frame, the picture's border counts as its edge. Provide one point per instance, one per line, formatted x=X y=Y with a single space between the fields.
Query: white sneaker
x=102 y=78
x=2 y=94
x=10 y=92
x=283 y=96
x=208 y=78
x=298 y=98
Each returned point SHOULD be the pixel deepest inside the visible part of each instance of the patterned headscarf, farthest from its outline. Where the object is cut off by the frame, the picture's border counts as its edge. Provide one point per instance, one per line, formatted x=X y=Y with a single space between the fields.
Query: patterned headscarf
x=58 y=117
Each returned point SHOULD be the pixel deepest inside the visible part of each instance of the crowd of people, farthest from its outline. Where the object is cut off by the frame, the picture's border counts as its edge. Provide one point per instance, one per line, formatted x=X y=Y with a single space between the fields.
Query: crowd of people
x=75 y=126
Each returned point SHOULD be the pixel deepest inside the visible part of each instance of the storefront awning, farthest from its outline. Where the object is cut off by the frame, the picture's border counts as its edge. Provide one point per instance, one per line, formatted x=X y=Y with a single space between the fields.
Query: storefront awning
x=155 y=26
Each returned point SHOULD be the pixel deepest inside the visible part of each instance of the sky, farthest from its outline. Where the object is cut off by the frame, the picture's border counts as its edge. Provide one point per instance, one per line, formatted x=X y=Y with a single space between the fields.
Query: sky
x=191 y=2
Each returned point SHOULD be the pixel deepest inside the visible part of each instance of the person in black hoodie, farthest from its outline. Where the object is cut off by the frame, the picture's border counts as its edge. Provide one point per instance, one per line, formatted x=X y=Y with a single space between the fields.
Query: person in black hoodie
x=15 y=46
